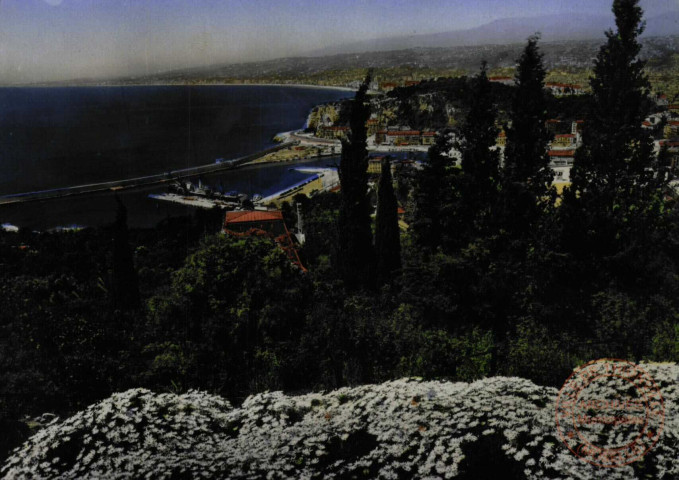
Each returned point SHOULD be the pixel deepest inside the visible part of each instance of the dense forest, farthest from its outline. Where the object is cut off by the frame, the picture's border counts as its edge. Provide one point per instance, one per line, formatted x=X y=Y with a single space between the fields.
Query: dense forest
x=496 y=275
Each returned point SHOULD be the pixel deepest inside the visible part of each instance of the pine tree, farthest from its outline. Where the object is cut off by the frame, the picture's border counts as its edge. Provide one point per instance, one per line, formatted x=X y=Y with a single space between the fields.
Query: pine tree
x=433 y=194
x=615 y=183
x=355 y=257
x=478 y=184
x=387 y=234
x=526 y=175
x=125 y=282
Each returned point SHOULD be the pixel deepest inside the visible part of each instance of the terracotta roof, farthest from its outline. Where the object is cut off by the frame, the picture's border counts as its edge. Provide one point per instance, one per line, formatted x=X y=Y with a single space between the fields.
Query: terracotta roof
x=498 y=79
x=401 y=210
x=502 y=134
x=561 y=153
x=553 y=120
x=253 y=216
x=428 y=134
x=564 y=135
x=646 y=124
x=674 y=123
x=403 y=132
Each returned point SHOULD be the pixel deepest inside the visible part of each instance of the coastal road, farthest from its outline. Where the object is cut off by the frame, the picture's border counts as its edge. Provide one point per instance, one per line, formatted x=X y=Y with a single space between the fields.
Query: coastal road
x=131 y=183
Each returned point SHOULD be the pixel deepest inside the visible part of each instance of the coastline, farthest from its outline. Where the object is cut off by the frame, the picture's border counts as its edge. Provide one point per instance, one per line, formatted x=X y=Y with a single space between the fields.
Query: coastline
x=179 y=84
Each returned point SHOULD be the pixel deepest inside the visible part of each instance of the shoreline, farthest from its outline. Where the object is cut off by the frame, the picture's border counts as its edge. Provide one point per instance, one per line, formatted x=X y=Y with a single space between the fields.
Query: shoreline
x=163 y=84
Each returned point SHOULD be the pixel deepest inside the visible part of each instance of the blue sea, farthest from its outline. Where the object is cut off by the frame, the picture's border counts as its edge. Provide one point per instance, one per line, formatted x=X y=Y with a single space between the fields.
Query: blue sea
x=57 y=137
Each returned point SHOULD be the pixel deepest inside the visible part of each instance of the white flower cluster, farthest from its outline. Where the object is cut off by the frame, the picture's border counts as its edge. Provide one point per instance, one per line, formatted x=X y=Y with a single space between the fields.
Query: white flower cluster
x=401 y=429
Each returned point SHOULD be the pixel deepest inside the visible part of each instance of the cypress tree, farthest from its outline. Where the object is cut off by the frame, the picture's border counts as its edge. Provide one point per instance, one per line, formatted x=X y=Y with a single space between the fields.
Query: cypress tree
x=355 y=255
x=526 y=175
x=432 y=194
x=125 y=282
x=478 y=184
x=615 y=188
x=387 y=235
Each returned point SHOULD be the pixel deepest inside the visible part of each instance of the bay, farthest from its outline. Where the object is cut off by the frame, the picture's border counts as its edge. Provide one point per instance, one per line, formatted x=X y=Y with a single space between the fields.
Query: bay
x=57 y=137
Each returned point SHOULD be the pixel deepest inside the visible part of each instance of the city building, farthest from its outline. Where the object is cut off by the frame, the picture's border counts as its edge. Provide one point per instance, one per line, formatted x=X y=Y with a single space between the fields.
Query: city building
x=501 y=140
x=388 y=86
x=564 y=140
x=372 y=126
x=332 y=132
x=560 y=89
x=428 y=138
x=503 y=80
x=671 y=129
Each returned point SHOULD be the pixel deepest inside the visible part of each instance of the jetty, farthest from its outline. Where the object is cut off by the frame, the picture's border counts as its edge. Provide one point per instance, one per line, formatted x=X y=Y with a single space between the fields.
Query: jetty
x=138 y=182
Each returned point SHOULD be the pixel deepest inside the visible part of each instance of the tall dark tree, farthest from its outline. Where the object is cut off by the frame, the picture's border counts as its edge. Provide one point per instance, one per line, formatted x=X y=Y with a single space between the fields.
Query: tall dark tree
x=615 y=187
x=433 y=194
x=387 y=234
x=526 y=176
x=478 y=184
x=125 y=286
x=355 y=255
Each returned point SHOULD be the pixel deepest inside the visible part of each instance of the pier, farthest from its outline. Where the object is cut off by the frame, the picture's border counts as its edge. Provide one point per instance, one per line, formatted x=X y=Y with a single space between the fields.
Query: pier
x=138 y=182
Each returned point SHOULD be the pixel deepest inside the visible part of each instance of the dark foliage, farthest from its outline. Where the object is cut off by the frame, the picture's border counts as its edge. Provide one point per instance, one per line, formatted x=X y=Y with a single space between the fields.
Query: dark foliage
x=355 y=258
x=125 y=288
x=495 y=276
x=526 y=176
x=387 y=232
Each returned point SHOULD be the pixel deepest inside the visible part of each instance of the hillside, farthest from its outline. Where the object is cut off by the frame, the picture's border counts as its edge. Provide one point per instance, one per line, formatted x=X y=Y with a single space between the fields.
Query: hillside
x=555 y=27
x=343 y=69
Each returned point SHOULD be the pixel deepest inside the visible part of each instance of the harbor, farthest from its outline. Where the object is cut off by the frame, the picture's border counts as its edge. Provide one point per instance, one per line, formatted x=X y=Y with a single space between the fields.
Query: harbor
x=138 y=182
x=203 y=196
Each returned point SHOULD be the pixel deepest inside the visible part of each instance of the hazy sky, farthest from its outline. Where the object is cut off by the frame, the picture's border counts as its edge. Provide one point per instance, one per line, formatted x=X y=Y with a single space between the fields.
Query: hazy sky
x=60 y=39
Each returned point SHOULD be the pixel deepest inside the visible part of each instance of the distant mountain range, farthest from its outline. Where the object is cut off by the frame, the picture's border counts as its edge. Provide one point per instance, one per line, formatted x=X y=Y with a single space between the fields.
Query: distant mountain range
x=507 y=31
x=570 y=42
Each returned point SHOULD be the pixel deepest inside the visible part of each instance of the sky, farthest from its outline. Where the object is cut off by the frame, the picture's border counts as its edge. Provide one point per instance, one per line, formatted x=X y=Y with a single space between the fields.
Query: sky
x=45 y=40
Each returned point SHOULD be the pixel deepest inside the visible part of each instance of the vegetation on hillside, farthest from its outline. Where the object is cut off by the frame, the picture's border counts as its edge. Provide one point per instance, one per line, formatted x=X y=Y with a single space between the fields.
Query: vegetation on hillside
x=488 y=284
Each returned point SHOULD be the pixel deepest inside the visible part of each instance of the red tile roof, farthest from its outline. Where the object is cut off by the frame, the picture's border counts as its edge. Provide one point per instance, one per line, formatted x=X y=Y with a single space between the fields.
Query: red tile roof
x=564 y=135
x=403 y=132
x=428 y=134
x=561 y=153
x=673 y=123
x=401 y=210
x=563 y=85
x=253 y=216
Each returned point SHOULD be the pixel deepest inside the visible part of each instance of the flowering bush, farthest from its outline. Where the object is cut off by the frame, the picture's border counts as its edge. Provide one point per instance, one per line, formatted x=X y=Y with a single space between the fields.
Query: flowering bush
x=401 y=429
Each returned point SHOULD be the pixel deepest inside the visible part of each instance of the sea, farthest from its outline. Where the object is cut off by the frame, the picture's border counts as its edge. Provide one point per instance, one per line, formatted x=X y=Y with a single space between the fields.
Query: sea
x=59 y=137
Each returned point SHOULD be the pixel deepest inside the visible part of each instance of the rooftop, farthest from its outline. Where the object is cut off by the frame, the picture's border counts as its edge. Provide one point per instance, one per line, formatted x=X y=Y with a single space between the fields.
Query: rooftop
x=253 y=216
x=561 y=153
